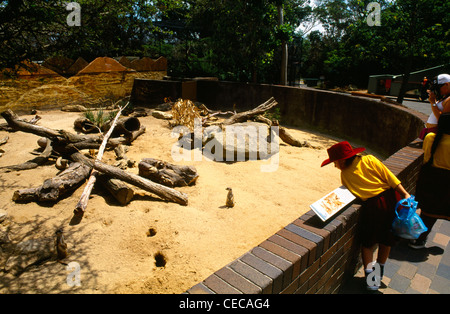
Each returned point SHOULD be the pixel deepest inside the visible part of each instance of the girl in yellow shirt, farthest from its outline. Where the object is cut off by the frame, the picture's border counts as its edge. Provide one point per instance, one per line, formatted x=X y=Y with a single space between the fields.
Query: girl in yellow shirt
x=433 y=184
x=372 y=182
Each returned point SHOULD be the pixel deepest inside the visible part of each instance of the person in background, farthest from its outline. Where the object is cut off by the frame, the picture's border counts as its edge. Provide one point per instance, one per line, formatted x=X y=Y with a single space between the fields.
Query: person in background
x=380 y=190
x=433 y=184
x=440 y=103
x=424 y=89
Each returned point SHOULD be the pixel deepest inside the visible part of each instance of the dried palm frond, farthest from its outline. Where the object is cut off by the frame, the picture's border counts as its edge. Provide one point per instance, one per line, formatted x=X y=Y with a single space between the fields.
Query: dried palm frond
x=185 y=112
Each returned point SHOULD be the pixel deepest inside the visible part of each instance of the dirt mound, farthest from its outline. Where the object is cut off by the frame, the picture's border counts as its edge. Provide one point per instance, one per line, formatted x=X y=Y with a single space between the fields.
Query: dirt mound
x=77 y=66
x=144 y=64
x=104 y=65
x=58 y=64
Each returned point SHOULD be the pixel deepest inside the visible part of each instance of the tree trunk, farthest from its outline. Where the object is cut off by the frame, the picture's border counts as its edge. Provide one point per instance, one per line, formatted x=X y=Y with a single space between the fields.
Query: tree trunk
x=120 y=190
x=167 y=174
x=125 y=126
x=246 y=115
x=162 y=191
x=284 y=48
x=82 y=203
x=65 y=142
x=53 y=189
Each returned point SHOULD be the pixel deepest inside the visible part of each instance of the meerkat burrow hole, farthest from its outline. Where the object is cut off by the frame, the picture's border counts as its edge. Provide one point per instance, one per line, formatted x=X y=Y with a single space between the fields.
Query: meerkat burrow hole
x=160 y=260
x=151 y=232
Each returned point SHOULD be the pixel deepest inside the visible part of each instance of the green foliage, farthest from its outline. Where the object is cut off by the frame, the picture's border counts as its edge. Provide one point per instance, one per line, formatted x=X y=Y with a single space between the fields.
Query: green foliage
x=273 y=114
x=99 y=117
x=235 y=40
x=410 y=29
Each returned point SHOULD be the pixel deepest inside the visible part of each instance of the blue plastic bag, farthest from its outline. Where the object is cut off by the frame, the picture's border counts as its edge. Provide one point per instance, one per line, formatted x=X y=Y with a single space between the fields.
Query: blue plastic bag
x=407 y=224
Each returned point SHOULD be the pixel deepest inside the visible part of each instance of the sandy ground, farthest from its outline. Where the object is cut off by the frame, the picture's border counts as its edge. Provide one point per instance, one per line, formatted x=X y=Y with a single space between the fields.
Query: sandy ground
x=111 y=244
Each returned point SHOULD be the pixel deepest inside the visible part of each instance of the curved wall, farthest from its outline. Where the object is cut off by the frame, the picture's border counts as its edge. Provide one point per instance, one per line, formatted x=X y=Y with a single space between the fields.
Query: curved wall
x=308 y=255
x=383 y=127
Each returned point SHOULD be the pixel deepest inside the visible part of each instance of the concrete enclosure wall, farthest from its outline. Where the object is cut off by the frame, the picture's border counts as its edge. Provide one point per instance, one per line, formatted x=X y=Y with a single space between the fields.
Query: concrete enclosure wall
x=308 y=255
x=384 y=127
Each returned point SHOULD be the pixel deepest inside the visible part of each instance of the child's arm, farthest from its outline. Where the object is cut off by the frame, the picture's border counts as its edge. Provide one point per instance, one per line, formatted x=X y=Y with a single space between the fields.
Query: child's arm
x=401 y=190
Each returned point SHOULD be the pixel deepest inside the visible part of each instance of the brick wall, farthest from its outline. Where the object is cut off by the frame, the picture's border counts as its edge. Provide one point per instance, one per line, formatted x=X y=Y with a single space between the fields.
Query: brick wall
x=307 y=256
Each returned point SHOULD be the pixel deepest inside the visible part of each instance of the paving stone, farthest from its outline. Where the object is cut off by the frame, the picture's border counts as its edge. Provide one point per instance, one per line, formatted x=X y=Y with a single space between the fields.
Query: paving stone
x=407 y=270
x=390 y=269
x=399 y=283
x=440 y=285
x=444 y=227
x=443 y=271
x=420 y=283
x=219 y=286
x=411 y=291
x=427 y=270
x=270 y=271
x=441 y=239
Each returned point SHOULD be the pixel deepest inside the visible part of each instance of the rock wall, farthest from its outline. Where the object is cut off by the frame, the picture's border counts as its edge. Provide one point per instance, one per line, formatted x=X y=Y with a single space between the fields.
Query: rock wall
x=103 y=80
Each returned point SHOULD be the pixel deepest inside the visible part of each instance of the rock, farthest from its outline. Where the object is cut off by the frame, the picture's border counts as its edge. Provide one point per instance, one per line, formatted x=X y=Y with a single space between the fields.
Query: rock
x=162 y=115
x=3 y=216
x=246 y=143
x=74 y=108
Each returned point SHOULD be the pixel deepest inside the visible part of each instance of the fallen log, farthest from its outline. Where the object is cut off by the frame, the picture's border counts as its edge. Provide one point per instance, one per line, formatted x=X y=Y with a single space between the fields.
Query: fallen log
x=124 y=126
x=118 y=189
x=13 y=120
x=82 y=203
x=64 y=142
x=283 y=133
x=160 y=190
x=53 y=189
x=167 y=174
x=247 y=115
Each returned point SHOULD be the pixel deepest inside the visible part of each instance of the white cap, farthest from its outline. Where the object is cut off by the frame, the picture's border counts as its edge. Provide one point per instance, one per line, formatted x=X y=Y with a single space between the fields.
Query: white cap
x=443 y=78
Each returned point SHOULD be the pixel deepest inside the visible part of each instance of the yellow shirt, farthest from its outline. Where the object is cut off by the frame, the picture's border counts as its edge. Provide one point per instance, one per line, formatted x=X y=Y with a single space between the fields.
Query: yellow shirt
x=441 y=158
x=367 y=177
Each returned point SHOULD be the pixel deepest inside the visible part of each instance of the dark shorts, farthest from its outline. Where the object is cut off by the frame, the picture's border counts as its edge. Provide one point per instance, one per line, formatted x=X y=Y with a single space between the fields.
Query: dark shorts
x=377 y=215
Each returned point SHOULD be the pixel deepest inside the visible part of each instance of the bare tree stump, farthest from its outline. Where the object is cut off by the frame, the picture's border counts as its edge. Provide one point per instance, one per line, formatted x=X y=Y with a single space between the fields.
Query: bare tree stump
x=166 y=173
x=118 y=189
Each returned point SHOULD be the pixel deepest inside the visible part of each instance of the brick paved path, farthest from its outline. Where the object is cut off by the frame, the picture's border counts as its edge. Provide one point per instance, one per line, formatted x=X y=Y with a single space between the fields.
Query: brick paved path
x=423 y=271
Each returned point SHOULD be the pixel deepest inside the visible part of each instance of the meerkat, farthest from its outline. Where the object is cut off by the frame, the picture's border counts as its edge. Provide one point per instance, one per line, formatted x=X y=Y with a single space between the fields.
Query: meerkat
x=230 y=198
x=60 y=245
